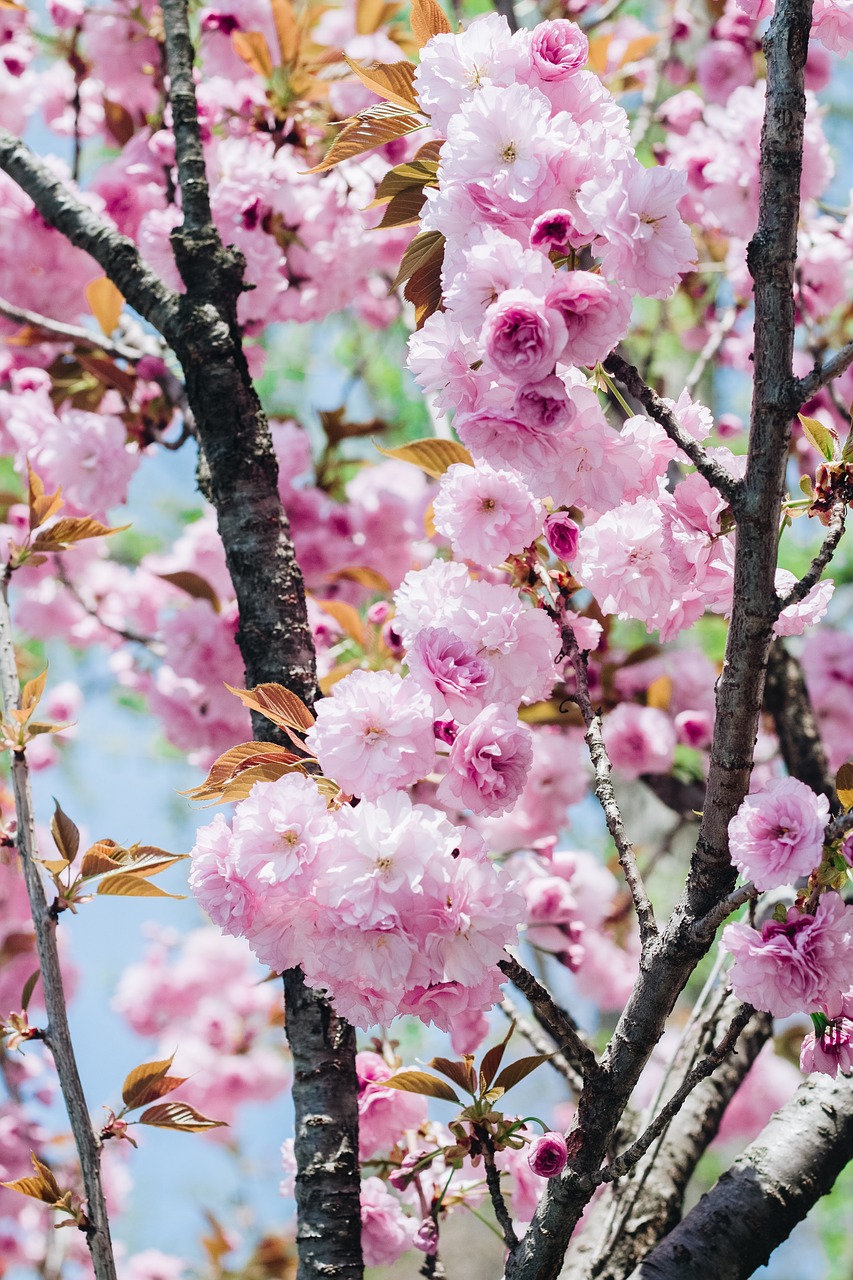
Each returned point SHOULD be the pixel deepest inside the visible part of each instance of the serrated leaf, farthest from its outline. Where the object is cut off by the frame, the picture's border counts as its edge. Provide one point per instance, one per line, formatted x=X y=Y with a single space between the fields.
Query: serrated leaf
x=390 y=80
x=372 y=127
x=347 y=618
x=238 y=760
x=420 y=1082
x=822 y=438
x=252 y=47
x=42 y=505
x=148 y=860
x=413 y=174
x=97 y=863
x=459 y=1072
x=29 y=988
x=194 y=585
x=42 y=1187
x=278 y=704
x=105 y=303
x=423 y=289
x=181 y=1116
x=65 y=834
x=404 y=210
x=432 y=455
x=428 y=19
x=424 y=247
x=286 y=30
x=492 y=1060
x=519 y=1070
x=72 y=529
x=123 y=884
x=844 y=785
x=141 y=1078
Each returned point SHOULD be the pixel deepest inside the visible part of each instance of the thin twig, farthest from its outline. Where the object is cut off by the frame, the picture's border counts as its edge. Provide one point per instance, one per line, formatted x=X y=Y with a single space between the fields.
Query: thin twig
x=822 y=374
x=655 y=407
x=541 y=1044
x=605 y=793
x=69 y=332
x=812 y=576
x=493 y=1182
x=704 y=1067
x=708 y=925
x=57 y=1035
x=560 y=1025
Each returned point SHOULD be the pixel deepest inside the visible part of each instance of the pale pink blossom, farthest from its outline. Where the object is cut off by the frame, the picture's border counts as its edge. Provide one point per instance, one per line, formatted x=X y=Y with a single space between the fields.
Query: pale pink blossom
x=384 y=1115
x=639 y=739
x=623 y=562
x=521 y=338
x=486 y=514
x=596 y=315
x=489 y=763
x=794 y=620
x=450 y=672
x=777 y=833
x=455 y=68
x=500 y=141
x=544 y=406
x=386 y=1232
x=558 y=49
x=374 y=733
x=795 y=965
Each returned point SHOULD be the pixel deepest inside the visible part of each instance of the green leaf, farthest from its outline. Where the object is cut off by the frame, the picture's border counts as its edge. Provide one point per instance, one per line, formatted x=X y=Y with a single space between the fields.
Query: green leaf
x=824 y=439
x=420 y=1082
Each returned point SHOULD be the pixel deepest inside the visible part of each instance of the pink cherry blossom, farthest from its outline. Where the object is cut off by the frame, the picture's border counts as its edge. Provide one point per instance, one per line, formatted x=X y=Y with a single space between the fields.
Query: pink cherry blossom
x=450 y=672
x=548 y=1155
x=520 y=338
x=558 y=49
x=386 y=1231
x=374 y=733
x=777 y=833
x=486 y=514
x=489 y=762
x=639 y=739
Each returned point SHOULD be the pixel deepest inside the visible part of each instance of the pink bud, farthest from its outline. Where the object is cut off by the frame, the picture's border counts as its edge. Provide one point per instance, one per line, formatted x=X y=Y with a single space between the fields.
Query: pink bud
x=561 y=534
x=548 y=1155
x=426 y=1237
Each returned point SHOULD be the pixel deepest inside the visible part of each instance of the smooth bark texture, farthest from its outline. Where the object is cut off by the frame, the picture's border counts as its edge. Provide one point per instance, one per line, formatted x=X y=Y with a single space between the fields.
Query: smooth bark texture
x=768 y=1190
x=57 y=1035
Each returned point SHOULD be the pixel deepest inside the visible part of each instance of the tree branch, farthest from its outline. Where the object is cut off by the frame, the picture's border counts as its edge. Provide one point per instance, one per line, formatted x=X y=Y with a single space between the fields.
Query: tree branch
x=821 y=375
x=493 y=1182
x=703 y=1068
x=57 y=1036
x=768 y=1190
x=561 y=1027
x=541 y=1044
x=812 y=576
x=656 y=408
x=604 y=790
x=704 y=929
x=787 y=700
x=116 y=254
x=69 y=332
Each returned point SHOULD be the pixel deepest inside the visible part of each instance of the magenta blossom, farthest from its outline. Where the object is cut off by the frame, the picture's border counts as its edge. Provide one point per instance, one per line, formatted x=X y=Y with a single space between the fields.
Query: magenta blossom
x=777 y=833
x=548 y=1155
x=561 y=534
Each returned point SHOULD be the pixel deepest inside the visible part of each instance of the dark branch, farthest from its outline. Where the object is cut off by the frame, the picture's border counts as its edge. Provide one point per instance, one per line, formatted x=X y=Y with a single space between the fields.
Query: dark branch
x=656 y=408
x=57 y=1036
x=821 y=375
x=812 y=576
x=560 y=1026
x=768 y=1190
x=787 y=700
x=541 y=1044
x=704 y=929
x=493 y=1182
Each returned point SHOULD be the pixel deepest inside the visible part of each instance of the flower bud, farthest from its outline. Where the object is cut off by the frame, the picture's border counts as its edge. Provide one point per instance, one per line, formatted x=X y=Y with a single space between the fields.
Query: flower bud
x=548 y=1155
x=561 y=534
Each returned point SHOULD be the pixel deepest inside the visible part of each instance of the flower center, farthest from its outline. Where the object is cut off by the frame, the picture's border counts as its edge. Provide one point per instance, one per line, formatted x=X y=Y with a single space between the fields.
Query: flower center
x=509 y=153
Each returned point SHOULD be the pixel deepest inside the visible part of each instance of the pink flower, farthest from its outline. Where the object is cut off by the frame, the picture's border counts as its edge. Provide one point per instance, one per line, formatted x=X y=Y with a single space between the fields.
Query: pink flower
x=777 y=833
x=794 y=620
x=832 y=1050
x=554 y=229
x=558 y=49
x=386 y=1232
x=548 y=1155
x=374 y=733
x=455 y=68
x=623 y=561
x=426 y=1237
x=384 y=1115
x=522 y=339
x=489 y=763
x=561 y=534
x=486 y=514
x=639 y=739
x=499 y=140
x=450 y=672
x=793 y=966
x=544 y=405
x=596 y=315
